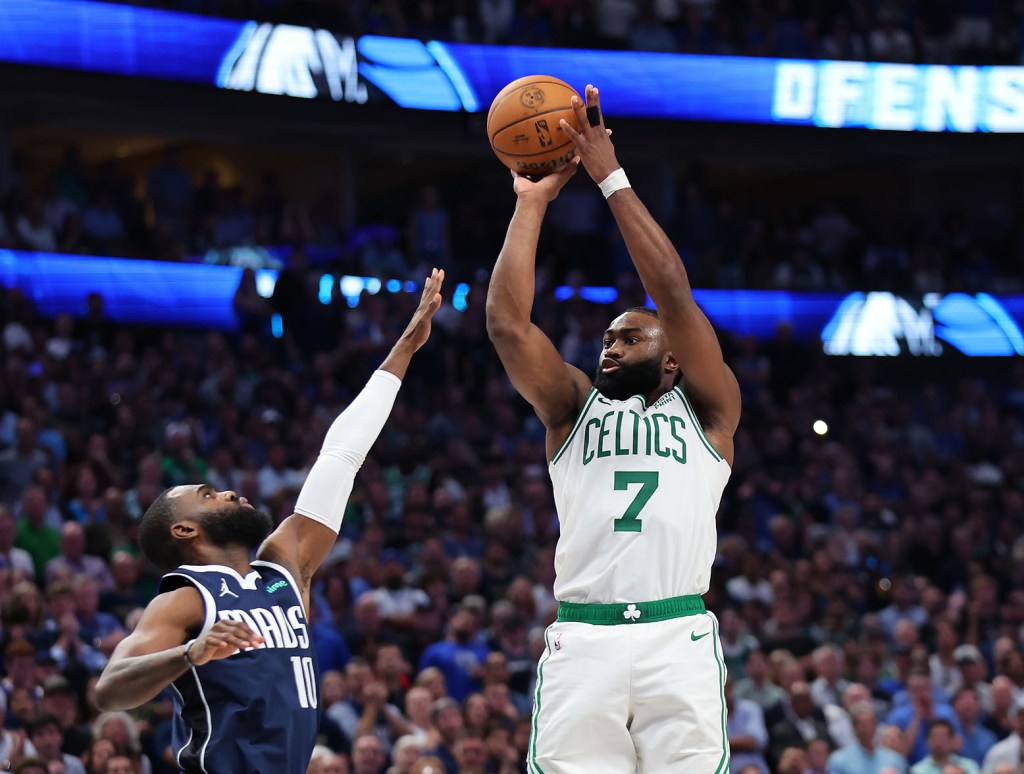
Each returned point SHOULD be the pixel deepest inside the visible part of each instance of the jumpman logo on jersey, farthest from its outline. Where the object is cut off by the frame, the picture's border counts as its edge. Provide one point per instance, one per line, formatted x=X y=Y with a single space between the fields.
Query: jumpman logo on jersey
x=224 y=590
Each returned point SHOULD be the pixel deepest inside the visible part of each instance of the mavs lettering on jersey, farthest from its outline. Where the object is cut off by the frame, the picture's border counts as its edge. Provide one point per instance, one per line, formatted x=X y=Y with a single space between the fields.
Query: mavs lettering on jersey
x=257 y=710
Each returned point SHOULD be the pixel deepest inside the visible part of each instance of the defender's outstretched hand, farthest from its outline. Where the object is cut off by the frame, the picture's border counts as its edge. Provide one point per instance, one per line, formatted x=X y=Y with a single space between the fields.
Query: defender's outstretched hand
x=418 y=330
x=225 y=638
x=593 y=141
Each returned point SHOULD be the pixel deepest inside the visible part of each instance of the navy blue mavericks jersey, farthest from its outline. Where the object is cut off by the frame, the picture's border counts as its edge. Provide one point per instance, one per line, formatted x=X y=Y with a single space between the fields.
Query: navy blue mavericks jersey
x=255 y=712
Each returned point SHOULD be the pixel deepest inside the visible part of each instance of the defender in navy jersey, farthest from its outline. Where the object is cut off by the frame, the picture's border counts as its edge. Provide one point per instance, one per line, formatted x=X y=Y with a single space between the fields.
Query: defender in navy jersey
x=231 y=635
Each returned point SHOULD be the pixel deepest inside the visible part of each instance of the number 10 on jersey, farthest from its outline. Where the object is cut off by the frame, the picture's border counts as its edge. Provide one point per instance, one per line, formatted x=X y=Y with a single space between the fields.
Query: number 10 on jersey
x=305 y=681
x=648 y=481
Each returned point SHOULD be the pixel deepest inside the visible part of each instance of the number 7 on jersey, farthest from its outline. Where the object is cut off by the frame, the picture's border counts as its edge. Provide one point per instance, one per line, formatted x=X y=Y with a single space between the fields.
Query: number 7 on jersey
x=648 y=480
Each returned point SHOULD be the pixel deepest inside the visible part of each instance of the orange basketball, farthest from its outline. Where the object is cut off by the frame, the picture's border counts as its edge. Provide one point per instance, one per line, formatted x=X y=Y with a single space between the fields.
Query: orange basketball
x=523 y=128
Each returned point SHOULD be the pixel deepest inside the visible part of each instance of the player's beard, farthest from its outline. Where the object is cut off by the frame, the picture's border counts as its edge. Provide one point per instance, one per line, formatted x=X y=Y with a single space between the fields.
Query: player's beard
x=641 y=378
x=233 y=524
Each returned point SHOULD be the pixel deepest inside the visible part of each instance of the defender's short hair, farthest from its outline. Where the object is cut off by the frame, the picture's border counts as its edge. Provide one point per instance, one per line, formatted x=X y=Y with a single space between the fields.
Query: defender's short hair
x=155 y=533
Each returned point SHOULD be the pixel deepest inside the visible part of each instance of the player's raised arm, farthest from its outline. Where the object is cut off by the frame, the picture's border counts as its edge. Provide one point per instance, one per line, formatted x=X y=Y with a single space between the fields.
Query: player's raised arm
x=709 y=382
x=555 y=389
x=303 y=540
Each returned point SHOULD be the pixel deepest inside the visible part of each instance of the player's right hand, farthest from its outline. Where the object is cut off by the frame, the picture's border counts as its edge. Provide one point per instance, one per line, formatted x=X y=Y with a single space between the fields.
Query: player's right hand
x=418 y=330
x=547 y=187
x=224 y=639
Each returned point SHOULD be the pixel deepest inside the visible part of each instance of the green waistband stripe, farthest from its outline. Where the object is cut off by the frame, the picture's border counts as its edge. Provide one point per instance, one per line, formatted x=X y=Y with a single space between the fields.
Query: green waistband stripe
x=631 y=612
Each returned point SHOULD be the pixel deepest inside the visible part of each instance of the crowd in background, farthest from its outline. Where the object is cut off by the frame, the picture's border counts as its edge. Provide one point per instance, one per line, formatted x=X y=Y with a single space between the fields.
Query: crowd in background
x=926 y=31
x=869 y=582
x=812 y=245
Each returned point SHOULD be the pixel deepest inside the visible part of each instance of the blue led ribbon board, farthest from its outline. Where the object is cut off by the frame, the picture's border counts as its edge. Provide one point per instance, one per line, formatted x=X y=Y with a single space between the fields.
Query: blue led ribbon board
x=877 y=324
x=302 y=62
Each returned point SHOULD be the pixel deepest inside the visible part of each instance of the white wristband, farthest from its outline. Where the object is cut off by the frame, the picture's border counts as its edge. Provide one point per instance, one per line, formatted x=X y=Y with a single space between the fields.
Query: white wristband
x=616 y=181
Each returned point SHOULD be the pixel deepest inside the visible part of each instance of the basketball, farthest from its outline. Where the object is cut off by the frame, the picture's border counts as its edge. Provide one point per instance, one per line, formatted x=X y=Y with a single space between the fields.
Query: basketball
x=523 y=128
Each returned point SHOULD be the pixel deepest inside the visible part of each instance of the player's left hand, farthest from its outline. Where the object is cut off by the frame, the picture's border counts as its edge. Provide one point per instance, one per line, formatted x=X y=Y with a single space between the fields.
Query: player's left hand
x=593 y=143
x=418 y=330
x=547 y=187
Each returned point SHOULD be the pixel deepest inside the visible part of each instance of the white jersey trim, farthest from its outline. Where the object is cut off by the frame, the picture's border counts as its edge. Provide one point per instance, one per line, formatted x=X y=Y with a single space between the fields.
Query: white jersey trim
x=291 y=579
x=696 y=423
x=579 y=420
x=211 y=618
x=248 y=582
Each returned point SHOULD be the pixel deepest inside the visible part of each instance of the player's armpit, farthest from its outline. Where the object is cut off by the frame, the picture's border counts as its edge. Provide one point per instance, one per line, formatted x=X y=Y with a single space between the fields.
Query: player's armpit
x=555 y=389
x=300 y=544
x=708 y=381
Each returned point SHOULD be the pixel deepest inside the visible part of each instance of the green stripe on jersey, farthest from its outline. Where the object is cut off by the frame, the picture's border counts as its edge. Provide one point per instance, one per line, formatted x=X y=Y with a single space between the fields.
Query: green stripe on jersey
x=696 y=424
x=579 y=421
x=532 y=760
x=723 y=764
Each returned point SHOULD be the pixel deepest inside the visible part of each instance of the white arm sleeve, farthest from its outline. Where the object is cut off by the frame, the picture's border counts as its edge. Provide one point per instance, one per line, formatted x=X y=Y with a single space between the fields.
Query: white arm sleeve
x=325 y=494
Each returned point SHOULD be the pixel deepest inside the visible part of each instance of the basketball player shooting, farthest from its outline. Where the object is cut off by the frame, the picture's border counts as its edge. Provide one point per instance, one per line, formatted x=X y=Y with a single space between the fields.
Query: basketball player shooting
x=632 y=676
x=232 y=636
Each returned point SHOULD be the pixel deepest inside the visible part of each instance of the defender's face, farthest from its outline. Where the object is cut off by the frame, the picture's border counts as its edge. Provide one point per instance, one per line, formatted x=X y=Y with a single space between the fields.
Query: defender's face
x=199 y=498
x=226 y=518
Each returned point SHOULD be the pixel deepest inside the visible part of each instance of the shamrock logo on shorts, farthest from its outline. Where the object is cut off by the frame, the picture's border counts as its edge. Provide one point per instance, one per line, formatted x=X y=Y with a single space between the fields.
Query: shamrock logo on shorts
x=631 y=613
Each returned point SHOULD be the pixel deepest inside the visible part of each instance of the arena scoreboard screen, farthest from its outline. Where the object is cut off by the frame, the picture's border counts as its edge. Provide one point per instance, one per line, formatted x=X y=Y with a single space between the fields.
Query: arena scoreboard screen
x=302 y=62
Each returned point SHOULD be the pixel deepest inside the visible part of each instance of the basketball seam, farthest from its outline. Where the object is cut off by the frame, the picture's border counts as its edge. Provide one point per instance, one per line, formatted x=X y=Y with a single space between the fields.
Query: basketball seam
x=525 y=118
x=531 y=83
x=538 y=153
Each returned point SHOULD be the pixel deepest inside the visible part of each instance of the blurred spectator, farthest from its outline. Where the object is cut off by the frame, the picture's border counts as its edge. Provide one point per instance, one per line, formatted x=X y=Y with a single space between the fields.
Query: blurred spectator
x=102 y=227
x=757 y=685
x=325 y=761
x=1009 y=750
x=100 y=629
x=977 y=740
x=31 y=230
x=941 y=744
x=18 y=465
x=864 y=756
x=47 y=737
x=34 y=535
x=72 y=559
x=61 y=701
x=169 y=190
x=459 y=657
x=913 y=718
x=447 y=719
x=367 y=755
x=495 y=19
x=829 y=685
x=801 y=722
x=428 y=231
x=748 y=737
x=12 y=558
x=124 y=595
x=404 y=754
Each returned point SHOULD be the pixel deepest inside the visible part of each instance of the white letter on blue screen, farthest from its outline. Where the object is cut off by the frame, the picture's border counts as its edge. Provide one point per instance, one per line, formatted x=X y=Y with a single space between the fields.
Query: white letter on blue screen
x=950 y=99
x=841 y=86
x=895 y=92
x=289 y=61
x=1005 y=111
x=794 y=91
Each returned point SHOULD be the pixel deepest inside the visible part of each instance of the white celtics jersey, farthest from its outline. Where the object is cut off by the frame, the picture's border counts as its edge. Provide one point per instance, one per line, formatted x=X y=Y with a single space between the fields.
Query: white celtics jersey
x=637 y=490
